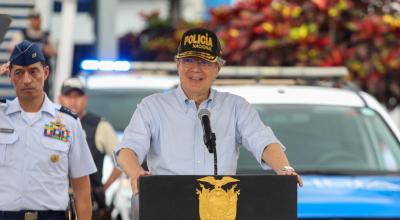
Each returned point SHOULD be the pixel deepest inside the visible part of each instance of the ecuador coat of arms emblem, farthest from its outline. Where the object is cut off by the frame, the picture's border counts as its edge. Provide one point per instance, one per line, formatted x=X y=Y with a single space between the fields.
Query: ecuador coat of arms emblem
x=217 y=203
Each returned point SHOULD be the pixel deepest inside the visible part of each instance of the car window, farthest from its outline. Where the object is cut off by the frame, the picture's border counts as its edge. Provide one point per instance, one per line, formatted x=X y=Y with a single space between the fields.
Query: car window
x=381 y=136
x=329 y=138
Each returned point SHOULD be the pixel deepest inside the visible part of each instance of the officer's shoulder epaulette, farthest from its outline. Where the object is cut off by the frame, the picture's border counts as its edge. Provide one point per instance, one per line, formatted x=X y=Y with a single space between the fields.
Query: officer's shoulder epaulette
x=68 y=111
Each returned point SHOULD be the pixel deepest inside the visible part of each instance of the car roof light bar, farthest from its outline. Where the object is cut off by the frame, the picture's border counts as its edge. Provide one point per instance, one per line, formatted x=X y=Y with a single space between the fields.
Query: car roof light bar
x=105 y=65
x=230 y=72
x=256 y=71
x=284 y=72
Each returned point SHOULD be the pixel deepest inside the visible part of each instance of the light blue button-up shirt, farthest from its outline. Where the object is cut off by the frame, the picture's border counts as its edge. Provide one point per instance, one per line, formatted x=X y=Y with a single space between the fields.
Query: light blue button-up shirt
x=165 y=128
x=34 y=168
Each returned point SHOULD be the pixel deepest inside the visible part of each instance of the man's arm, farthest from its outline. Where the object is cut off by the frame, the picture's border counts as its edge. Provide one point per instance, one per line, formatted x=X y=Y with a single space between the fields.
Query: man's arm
x=49 y=49
x=274 y=156
x=83 y=201
x=106 y=139
x=128 y=161
x=115 y=174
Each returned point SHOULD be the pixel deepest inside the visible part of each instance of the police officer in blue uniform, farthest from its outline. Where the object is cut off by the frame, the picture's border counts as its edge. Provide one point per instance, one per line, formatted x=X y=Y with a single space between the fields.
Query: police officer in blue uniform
x=42 y=147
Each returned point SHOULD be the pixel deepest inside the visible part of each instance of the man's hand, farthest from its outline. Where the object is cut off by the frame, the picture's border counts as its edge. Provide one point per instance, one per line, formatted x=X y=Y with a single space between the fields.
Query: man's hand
x=289 y=171
x=135 y=180
x=128 y=161
x=48 y=50
x=274 y=156
x=5 y=68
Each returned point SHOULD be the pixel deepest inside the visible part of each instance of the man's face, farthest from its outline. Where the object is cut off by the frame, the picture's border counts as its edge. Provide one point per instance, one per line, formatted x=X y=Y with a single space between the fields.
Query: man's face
x=29 y=80
x=196 y=75
x=74 y=100
x=35 y=23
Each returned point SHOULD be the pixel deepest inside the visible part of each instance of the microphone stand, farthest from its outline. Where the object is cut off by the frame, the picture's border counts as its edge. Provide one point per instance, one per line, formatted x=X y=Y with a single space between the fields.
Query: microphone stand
x=211 y=145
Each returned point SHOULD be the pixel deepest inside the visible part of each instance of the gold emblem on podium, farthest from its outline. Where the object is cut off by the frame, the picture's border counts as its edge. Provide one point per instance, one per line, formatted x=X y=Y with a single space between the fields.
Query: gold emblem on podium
x=217 y=203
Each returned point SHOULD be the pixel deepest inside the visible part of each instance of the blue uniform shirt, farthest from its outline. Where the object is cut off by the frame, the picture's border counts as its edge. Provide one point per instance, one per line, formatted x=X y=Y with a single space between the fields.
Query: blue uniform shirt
x=165 y=128
x=34 y=168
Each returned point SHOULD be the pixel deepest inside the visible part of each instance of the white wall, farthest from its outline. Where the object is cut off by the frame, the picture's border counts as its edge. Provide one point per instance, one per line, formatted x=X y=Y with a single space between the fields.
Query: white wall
x=128 y=18
x=45 y=9
x=83 y=26
x=193 y=10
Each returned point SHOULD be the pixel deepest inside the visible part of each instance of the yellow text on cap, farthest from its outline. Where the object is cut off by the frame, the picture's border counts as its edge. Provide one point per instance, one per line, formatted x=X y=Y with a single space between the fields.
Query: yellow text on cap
x=198 y=39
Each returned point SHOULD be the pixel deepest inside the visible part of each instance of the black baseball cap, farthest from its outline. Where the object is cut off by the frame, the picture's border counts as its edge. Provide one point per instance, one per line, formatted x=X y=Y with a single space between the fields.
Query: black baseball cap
x=72 y=84
x=199 y=42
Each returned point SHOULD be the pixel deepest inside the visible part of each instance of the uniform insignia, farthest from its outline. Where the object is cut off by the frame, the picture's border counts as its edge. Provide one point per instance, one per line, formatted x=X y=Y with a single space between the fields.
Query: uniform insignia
x=57 y=131
x=34 y=55
x=55 y=158
x=217 y=203
x=68 y=112
x=6 y=130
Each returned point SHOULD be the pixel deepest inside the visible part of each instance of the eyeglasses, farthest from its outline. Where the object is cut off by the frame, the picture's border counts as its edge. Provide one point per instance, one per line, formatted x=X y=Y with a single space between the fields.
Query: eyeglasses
x=190 y=62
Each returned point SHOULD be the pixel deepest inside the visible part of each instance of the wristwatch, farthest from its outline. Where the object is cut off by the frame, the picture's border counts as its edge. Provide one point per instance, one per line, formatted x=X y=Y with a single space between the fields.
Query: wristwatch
x=288 y=168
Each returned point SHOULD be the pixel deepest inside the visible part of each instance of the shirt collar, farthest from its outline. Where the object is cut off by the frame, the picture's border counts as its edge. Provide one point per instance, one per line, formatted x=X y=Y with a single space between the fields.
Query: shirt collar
x=183 y=99
x=47 y=106
x=13 y=107
x=211 y=97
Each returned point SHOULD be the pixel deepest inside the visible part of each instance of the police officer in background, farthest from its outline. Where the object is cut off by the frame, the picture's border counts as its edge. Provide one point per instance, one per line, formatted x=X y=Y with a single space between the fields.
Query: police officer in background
x=42 y=147
x=100 y=136
x=35 y=34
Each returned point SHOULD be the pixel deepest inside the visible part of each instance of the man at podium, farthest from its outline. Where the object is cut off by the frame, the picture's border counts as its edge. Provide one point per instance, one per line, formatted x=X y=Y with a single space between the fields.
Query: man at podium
x=173 y=128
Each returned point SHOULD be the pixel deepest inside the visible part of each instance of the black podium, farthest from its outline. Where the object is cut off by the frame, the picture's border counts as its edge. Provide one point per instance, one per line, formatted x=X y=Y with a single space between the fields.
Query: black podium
x=244 y=197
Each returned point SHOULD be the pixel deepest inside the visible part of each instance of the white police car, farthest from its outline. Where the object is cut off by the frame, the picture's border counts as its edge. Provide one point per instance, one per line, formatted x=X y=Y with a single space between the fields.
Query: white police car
x=340 y=140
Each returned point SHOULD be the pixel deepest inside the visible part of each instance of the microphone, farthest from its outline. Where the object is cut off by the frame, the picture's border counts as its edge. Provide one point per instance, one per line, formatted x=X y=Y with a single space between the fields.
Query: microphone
x=208 y=135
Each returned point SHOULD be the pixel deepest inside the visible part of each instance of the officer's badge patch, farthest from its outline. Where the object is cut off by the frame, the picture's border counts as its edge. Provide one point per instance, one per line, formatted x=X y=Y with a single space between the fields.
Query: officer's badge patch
x=57 y=131
x=218 y=203
x=55 y=158
x=34 y=55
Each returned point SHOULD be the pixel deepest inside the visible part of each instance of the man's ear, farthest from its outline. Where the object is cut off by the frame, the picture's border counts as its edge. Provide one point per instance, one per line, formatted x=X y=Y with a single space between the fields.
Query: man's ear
x=46 y=72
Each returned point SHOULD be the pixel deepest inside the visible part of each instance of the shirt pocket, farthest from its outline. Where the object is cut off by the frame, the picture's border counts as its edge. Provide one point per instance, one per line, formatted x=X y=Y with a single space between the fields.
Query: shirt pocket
x=7 y=141
x=55 y=156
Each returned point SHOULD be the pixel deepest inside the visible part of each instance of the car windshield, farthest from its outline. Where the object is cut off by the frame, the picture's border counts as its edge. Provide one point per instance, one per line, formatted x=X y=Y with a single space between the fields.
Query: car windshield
x=329 y=138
